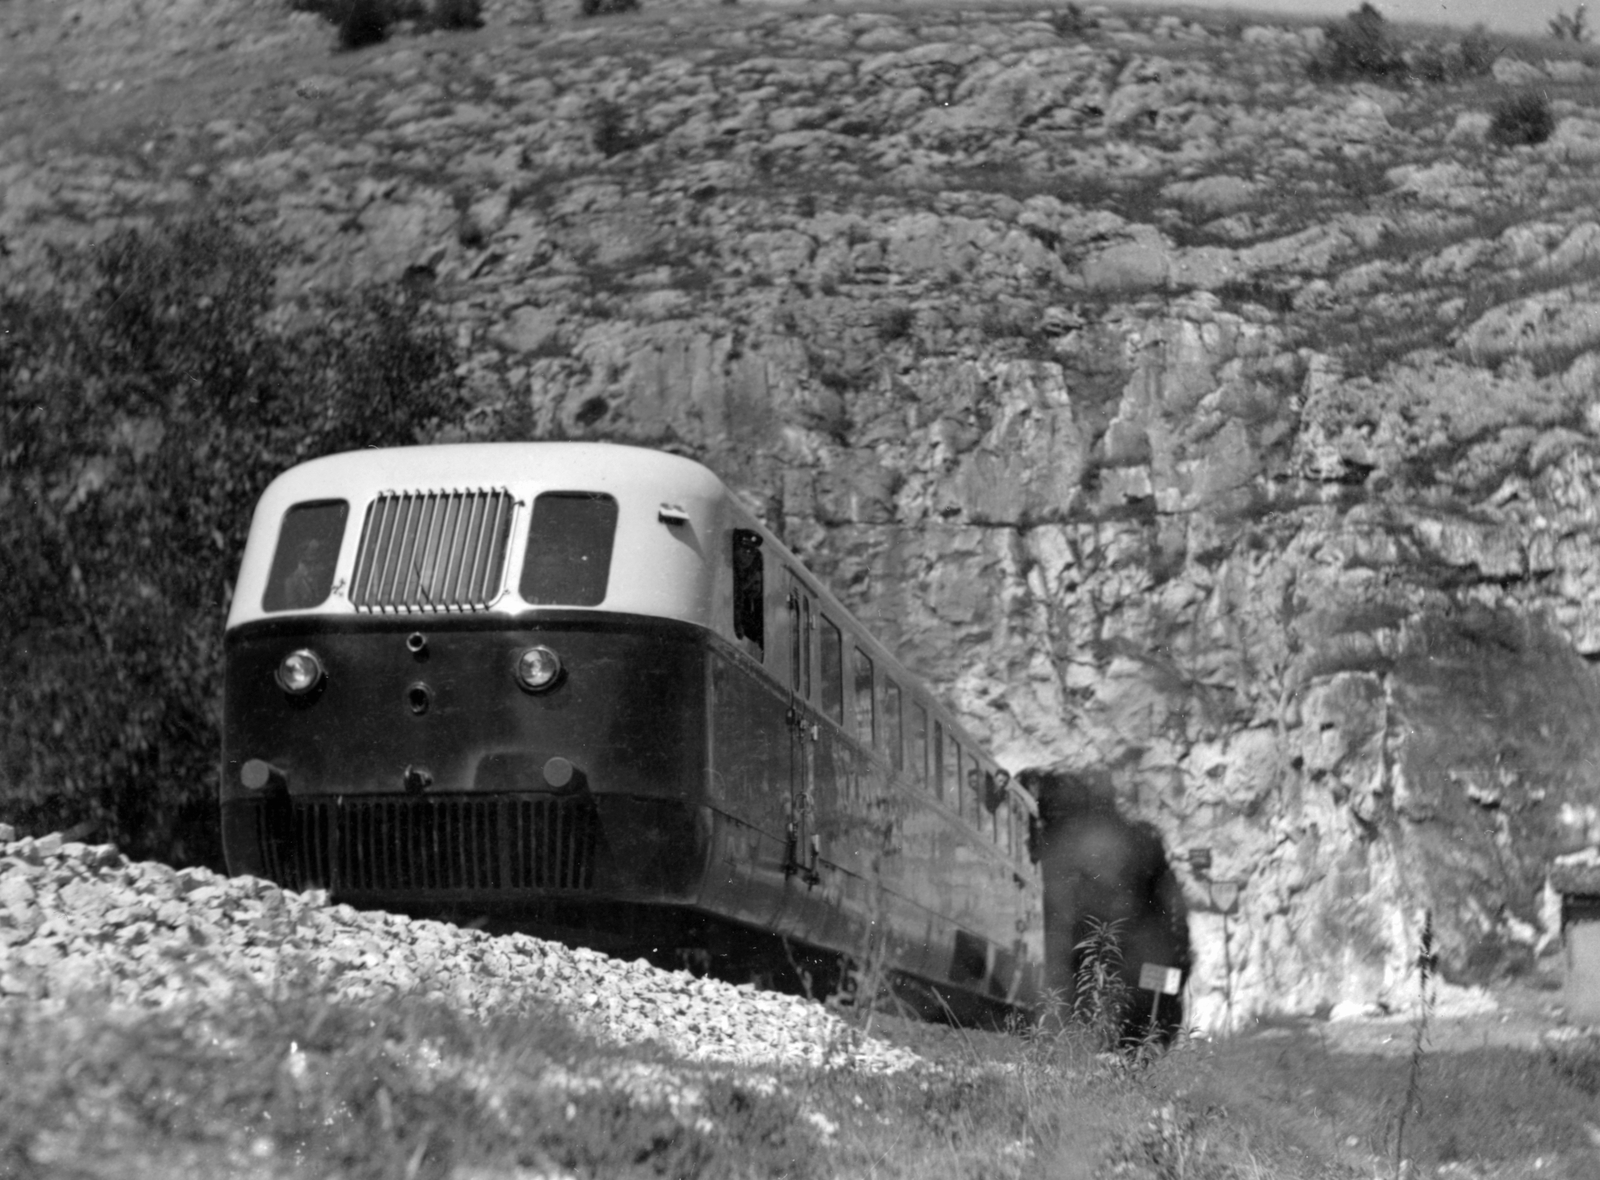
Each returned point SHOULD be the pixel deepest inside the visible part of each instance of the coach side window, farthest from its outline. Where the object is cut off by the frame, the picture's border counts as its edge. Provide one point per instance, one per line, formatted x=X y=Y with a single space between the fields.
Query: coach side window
x=749 y=589
x=891 y=724
x=866 y=716
x=919 y=745
x=308 y=549
x=952 y=773
x=800 y=643
x=831 y=667
x=569 y=549
x=974 y=804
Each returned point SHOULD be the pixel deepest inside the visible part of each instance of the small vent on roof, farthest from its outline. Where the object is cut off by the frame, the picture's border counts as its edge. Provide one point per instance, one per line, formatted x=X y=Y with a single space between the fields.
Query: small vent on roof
x=433 y=551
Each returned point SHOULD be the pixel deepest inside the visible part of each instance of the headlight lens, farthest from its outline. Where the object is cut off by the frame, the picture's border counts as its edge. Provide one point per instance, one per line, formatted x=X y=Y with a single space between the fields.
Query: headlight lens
x=538 y=668
x=300 y=672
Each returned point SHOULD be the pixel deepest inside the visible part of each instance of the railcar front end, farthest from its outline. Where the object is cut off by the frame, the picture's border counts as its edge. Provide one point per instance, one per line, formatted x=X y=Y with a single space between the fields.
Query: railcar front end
x=418 y=768
x=428 y=708
x=576 y=689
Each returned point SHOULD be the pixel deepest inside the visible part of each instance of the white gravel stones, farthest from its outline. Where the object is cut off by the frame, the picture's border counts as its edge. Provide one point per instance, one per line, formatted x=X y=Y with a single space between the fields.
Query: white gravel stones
x=78 y=918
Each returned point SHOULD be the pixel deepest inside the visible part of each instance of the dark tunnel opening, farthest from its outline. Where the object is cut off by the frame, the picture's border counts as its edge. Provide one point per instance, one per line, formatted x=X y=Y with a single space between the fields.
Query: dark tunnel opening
x=1107 y=879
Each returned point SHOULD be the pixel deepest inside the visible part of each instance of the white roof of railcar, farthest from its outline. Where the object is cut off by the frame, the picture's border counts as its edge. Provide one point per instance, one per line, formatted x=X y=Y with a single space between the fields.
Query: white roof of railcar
x=608 y=467
x=655 y=570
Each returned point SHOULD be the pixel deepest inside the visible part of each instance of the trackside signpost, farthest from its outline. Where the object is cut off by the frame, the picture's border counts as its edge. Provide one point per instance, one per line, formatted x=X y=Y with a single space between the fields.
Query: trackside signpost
x=1162 y=980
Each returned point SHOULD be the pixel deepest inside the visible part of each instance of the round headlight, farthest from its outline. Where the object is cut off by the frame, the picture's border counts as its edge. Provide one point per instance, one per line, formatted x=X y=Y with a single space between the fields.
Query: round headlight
x=538 y=668
x=300 y=672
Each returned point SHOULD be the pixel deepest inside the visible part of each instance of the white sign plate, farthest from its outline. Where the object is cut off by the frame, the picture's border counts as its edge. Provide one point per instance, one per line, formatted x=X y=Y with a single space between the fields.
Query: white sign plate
x=1153 y=977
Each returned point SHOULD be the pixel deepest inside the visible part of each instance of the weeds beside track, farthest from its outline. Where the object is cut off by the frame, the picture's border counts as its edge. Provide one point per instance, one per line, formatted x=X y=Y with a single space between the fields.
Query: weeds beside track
x=294 y=1085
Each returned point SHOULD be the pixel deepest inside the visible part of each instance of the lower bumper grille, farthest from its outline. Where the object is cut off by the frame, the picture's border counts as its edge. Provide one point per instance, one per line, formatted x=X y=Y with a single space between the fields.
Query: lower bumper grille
x=441 y=845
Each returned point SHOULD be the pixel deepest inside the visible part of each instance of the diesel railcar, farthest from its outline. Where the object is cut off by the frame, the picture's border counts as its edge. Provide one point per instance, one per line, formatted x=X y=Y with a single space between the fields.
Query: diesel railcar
x=578 y=689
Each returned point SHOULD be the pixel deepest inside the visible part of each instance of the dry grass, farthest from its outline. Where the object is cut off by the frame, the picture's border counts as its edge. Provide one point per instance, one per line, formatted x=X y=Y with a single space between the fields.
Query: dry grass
x=294 y=1085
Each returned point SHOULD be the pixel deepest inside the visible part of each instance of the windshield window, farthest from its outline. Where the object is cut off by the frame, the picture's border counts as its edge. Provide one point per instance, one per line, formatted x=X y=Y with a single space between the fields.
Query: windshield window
x=569 y=549
x=308 y=549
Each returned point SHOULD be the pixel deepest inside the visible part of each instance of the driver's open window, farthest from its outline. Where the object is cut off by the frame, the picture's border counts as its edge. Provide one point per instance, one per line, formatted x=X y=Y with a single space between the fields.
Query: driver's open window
x=749 y=589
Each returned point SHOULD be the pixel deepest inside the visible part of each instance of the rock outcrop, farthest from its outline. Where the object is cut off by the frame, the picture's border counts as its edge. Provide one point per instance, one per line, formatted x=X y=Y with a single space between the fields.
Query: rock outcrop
x=1177 y=417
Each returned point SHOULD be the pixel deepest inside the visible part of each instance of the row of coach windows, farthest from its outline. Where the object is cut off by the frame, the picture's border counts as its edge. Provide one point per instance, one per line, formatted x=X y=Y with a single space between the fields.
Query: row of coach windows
x=874 y=708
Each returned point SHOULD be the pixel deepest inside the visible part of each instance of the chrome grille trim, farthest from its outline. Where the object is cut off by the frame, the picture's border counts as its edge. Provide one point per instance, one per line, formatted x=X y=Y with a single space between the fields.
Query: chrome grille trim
x=432 y=551
x=441 y=845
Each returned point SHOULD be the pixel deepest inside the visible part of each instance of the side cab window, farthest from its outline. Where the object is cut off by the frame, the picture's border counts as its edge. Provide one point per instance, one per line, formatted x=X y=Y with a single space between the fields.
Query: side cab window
x=749 y=591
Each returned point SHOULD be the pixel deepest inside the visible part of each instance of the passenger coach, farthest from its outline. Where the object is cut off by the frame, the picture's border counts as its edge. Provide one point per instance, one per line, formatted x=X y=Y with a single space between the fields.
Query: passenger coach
x=577 y=689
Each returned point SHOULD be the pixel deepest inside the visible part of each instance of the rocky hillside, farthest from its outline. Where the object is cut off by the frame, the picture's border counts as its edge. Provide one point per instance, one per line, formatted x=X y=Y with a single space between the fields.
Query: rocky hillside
x=1185 y=419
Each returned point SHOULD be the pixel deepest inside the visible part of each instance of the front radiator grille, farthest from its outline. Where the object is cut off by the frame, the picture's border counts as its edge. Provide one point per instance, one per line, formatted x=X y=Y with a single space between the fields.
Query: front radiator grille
x=426 y=551
x=472 y=844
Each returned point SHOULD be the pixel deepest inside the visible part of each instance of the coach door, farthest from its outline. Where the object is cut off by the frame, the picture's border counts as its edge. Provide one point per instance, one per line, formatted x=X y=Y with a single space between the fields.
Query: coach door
x=801 y=841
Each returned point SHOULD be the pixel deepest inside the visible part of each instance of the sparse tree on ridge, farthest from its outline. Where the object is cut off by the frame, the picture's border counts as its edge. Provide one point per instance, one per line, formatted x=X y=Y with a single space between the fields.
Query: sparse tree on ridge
x=1573 y=26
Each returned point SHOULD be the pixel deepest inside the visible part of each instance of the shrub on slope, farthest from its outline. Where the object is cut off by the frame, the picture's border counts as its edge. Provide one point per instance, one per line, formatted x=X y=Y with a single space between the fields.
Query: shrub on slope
x=1359 y=46
x=1522 y=119
x=147 y=399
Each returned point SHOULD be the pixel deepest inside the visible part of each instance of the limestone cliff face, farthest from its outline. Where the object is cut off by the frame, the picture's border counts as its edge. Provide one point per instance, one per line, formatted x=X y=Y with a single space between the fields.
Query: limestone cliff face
x=1173 y=415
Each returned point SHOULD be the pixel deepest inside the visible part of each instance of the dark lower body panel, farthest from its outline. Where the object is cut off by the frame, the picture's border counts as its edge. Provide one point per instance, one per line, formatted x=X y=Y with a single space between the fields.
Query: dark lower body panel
x=638 y=878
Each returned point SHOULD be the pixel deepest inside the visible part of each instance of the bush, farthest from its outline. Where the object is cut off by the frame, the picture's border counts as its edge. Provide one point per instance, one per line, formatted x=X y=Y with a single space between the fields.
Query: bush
x=364 y=22
x=1360 y=46
x=367 y=22
x=895 y=322
x=614 y=131
x=1471 y=57
x=147 y=402
x=1431 y=62
x=458 y=14
x=1478 y=52
x=1070 y=22
x=608 y=7
x=1522 y=119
